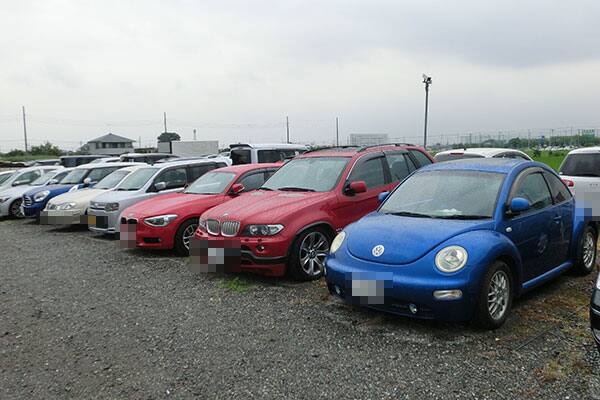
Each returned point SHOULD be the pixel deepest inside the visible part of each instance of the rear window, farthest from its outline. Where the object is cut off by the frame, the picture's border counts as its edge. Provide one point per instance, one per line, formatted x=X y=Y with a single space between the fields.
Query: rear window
x=455 y=156
x=240 y=156
x=581 y=165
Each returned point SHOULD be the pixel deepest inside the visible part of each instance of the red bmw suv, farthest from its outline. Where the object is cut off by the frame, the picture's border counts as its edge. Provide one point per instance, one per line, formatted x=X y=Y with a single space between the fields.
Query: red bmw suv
x=290 y=221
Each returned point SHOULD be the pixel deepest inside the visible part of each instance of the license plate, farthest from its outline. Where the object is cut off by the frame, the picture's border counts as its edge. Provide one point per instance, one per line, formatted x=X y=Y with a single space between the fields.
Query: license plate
x=91 y=220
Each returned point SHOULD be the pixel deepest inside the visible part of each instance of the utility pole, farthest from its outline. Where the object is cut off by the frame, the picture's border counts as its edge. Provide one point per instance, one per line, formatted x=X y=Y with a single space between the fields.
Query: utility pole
x=24 y=129
x=337 y=132
x=427 y=82
x=194 y=134
x=287 y=126
x=165 y=120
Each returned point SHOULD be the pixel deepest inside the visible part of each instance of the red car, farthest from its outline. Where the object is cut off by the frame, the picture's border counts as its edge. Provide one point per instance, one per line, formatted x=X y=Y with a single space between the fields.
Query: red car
x=292 y=219
x=168 y=221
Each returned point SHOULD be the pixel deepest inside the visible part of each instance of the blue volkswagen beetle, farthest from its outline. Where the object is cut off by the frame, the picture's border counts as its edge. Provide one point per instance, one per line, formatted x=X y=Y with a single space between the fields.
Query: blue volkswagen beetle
x=460 y=240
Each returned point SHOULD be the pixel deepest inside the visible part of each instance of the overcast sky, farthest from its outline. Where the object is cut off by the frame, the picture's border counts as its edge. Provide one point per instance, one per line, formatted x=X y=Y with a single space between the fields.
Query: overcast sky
x=234 y=69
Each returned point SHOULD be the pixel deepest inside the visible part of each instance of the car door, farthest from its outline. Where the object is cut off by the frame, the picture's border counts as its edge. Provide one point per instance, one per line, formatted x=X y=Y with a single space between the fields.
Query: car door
x=533 y=231
x=565 y=209
x=372 y=169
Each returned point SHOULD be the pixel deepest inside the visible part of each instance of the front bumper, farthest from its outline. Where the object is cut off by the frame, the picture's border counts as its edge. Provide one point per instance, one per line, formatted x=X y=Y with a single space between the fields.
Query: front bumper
x=101 y=221
x=406 y=290
x=34 y=209
x=263 y=255
x=595 y=316
x=135 y=233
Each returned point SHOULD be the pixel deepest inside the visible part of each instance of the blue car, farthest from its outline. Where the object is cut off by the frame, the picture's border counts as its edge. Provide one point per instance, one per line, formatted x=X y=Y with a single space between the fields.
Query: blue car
x=35 y=200
x=458 y=241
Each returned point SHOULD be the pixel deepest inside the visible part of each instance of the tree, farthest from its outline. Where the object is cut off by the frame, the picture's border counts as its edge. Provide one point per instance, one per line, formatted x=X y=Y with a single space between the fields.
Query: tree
x=46 y=148
x=168 y=137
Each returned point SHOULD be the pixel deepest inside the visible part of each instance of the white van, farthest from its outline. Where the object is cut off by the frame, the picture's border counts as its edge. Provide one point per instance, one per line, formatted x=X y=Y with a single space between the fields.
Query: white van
x=263 y=153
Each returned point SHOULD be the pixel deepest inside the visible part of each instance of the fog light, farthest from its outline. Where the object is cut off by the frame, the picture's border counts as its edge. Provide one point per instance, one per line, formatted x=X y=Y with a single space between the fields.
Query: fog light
x=447 y=294
x=413 y=308
x=260 y=247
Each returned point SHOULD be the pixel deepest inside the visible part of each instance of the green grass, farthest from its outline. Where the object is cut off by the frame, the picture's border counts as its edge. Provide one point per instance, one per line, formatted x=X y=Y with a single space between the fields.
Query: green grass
x=553 y=160
x=236 y=284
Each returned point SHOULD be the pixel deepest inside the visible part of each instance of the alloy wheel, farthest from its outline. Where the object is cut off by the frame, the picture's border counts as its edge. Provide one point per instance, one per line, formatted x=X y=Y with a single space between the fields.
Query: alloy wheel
x=188 y=234
x=313 y=250
x=15 y=209
x=498 y=295
x=588 y=250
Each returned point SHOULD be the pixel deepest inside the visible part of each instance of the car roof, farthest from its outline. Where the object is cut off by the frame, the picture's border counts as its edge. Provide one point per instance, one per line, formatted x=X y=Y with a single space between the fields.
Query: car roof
x=350 y=151
x=500 y=165
x=104 y=165
x=483 y=151
x=187 y=162
x=269 y=145
x=586 y=150
x=240 y=169
x=147 y=154
x=35 y=167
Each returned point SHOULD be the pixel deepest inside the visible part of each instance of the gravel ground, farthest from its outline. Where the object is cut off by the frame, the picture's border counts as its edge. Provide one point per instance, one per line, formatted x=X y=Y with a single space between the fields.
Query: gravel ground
x=82 y=318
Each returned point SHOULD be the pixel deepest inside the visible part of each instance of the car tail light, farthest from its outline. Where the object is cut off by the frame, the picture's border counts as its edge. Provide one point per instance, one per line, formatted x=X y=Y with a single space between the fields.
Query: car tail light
x=569 y=182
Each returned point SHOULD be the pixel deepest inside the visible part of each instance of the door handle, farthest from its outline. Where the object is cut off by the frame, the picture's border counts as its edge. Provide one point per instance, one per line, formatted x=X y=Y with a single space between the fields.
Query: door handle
x=557 y=218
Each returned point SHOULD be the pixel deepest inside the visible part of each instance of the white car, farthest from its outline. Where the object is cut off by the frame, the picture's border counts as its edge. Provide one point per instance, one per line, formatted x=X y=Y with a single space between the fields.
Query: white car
x=168 y=177
x=12 y=194
x=482 y=152
x=72 y=207
x=580 y=171
x=264 y=152
x=21 y=177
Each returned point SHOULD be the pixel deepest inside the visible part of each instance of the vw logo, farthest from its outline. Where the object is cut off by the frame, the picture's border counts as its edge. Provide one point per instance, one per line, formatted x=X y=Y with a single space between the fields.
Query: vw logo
x=378 y=250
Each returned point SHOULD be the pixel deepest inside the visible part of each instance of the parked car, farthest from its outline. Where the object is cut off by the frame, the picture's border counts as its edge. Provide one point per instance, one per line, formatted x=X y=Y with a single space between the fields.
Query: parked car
x=106 y=160
x=595 y=313
x=482 y=152
x=4 y=175
x=86 y=175
x=143 y=184
x=74 y=161
x=11 y=198
x=71 y=208
x=580 y=170
x=292 y=219
x=148 y=158
x=169 y=221
x=459 y=241
x=263 y=153
x=21 y=177
x=52 y=161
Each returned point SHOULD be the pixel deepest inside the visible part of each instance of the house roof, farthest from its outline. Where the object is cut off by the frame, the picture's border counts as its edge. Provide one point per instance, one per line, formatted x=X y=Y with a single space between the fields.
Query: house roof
x=111 y=138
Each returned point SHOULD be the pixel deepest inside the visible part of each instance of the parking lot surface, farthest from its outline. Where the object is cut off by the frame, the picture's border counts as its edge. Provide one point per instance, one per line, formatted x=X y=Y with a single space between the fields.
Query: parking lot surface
x=82 y=318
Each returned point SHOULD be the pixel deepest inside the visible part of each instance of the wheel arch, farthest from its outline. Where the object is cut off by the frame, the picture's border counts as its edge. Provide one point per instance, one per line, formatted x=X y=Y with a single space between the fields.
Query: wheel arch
x=318 y=224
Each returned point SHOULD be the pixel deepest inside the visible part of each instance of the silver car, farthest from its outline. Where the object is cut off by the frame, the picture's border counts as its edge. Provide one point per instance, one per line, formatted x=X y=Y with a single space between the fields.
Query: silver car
x=13 y=187
x=105 y=210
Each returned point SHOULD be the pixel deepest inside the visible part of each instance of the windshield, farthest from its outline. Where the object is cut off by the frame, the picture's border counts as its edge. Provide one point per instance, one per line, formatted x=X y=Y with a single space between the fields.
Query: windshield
x=455 y=156
x=75 y=176
x=311 y=174
x=137 y=179
x=446 y=194
x=5 y=177
x=211 y=183
x=43 y=179
x=111 y=180
x=581 y=165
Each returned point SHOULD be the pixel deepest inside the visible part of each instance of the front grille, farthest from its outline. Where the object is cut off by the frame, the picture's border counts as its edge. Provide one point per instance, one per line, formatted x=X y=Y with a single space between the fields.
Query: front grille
x=27 y=200
x=128 y=220
x=97 y=206
x=230 y=228
x=213 y=226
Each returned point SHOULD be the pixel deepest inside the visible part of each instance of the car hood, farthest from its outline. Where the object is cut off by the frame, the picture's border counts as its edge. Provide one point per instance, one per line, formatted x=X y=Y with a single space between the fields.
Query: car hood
x=175 y=203
x=52 y=188
x=266 y=206
x=82 y=196
x=114 y=196
x=405 y=239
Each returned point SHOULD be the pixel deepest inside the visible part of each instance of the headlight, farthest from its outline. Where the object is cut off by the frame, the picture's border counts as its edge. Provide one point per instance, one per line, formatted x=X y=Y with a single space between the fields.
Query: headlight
x=262 y=230
x=65 y=206
x=202 y=224
x=337 y=242
x=451 y=259
x=111 y=207
x=40 y=196
x=160 y=220
x=74 y=188
x=4 y=199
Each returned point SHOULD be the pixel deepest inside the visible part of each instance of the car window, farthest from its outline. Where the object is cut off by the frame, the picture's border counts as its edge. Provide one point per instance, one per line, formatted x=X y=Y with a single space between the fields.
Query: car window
x=211 y=183
x=173 y=178
x=136 y=180
x=318 y=174
x=289 y=153
x=43 y=179
x=98 y=173
x=533 y=188
x=587 y=164
x=421 y=158
x=111 y=180
x=59 y=177
x=400 y=166
x=240 y=156
x=196 y=171
x=5 y=177
x=370 y=171
x=269 y=156
x=520 y=156
x=252 y=181
x=559 y=191
x=27 y=177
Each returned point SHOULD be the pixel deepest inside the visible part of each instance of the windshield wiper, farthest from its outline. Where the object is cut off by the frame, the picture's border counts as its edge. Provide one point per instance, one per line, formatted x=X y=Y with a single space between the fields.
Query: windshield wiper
x=295 y=189
x=265 y=188
x=459 y=216
x=409 y=214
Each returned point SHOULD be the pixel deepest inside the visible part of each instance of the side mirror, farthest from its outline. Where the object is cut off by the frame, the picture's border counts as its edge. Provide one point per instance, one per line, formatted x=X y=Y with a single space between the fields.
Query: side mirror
x=356 y=187
x=52 y=181
x=19 y=183
x=87 y=181
x=518 y=205
x=237 y=188
x=160 y=186
x=382 y=196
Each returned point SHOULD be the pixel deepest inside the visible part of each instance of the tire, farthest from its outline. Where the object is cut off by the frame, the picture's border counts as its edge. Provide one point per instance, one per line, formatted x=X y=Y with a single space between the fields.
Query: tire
x=491 y=314
x=15 y=209
x=586 y=251
x=181 y=244
x=307 y=255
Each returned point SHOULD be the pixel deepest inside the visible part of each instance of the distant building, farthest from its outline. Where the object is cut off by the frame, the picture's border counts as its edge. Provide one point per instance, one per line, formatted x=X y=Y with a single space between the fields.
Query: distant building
x=110 y=145
x=368 y=139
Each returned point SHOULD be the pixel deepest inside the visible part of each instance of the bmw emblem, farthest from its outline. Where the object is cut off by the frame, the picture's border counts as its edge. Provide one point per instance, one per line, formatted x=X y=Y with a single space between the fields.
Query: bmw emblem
x=378 y=250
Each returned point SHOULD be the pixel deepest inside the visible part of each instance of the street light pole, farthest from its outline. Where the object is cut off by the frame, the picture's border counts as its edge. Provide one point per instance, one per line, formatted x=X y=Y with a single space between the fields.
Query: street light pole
x=427 y=82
